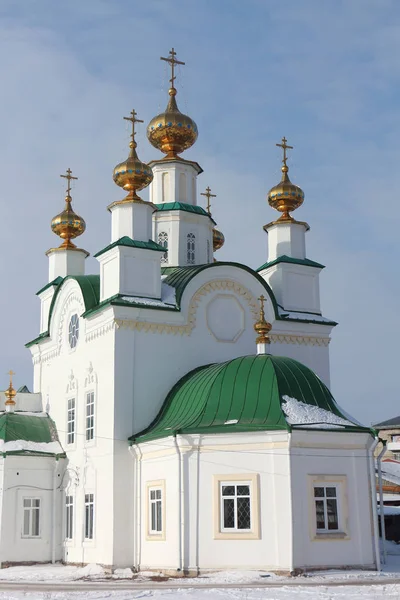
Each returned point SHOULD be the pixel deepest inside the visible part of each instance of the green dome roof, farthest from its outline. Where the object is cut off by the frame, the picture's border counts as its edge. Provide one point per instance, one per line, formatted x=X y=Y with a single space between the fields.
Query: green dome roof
x=251 y=393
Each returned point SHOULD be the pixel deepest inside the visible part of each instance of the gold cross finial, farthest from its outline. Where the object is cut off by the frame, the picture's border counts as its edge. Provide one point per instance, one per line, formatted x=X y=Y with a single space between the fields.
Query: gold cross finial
x=11 y=373
x=133 y=120
x=208 y=195
x=68 y=176
x=172 y=61
x=284 y=147
x=262 y=314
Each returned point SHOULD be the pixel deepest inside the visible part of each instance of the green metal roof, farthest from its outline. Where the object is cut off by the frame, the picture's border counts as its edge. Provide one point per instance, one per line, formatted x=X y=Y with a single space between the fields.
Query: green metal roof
x=90 y=288
x=198 y=210
x=127 y=241
x=243 y=394
x=29 y=428
x=55 y=282
x=288 y=259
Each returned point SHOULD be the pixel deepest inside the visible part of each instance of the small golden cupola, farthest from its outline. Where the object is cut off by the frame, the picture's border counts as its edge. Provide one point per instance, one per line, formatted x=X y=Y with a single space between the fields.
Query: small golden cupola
x=132 y=174
x=286 y=196
x=171 y=131
x=10 y=394
x=262 y=328
x=218 y=237
x=68 y=225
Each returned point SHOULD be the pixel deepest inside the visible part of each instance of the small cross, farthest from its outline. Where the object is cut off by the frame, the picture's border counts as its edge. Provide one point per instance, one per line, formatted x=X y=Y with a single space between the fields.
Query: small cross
x=172 y=61
x=208 y=195
x=10 y=373
x=68 y=176
x=262 y=300
x=285 y=147
x=133 y=120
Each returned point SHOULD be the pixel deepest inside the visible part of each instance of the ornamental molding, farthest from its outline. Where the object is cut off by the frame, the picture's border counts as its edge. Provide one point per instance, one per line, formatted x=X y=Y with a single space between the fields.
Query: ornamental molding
x=204 y=290
x=73 y=298
x=301 y=340
x=101 y=330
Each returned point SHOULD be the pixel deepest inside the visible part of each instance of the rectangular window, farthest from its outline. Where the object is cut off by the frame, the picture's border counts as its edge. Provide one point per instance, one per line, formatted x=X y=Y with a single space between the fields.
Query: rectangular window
x=155 y=512
x=326 y=507
x=69 y=517
x=71 y=421
x=31 y=517
x=89 y=416
x=89 y=516
x=235 y=506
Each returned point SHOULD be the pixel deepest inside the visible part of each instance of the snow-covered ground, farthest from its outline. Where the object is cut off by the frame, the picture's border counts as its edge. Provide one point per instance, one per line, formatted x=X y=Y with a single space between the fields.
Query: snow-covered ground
x=329 y=585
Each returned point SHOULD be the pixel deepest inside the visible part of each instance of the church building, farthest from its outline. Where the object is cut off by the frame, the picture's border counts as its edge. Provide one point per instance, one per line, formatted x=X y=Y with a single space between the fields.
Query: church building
x=181 y=418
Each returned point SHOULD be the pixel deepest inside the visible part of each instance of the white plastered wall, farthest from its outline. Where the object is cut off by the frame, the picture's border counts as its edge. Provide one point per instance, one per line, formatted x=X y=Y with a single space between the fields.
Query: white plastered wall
x=177 y=224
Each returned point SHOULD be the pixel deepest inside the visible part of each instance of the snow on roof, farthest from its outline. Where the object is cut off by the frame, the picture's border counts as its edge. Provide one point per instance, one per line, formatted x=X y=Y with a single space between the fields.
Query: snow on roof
x=391 y=471
x=168 y=298
x=301 y=414
x=26 y=446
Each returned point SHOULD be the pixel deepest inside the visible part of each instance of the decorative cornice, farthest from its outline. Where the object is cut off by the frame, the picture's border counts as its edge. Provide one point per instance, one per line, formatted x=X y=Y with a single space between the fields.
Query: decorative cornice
x=302 y=340
x=101 y=330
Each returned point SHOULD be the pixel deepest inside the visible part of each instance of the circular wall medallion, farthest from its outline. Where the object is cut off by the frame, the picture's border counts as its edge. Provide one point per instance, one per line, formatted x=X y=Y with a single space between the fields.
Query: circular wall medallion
x=73 y=331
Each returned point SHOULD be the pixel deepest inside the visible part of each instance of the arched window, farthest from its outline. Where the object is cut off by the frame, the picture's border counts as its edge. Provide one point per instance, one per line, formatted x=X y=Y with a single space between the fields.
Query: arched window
x=191 y=248
x=163 y=241
x=208 y=251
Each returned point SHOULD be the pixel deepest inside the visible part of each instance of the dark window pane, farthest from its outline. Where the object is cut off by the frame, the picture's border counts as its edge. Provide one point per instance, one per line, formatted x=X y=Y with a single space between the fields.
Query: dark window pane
x=152 y=494
x=228 y=490
x=159 y=519
x=319 y=509
x=331 y=508
x=243 y=516
x=331 y=492
x=319 y=492
x=158 y=494
x=229 y=513
x=153 y=517
x=243 y=490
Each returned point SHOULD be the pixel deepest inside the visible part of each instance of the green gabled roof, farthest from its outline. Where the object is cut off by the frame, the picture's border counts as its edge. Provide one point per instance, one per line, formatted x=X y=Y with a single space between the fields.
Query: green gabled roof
x=180 y=277
x=127 y=241
x=288 y=259
x=242 y=395
x=90 y=288
x=55 y=282
x=21 y=427
x=198 y=210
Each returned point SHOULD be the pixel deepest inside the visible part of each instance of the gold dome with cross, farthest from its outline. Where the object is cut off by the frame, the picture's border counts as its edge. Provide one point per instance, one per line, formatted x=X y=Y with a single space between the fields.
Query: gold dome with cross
x=285 y=196
x=67 y=224
x=172 y=132
x=218 y=236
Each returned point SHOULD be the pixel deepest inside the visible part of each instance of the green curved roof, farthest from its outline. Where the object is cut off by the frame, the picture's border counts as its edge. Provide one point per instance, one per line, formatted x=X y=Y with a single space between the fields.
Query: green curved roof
x=21 y=427
x=246 y=394
x=166 y=206
x=90 y=288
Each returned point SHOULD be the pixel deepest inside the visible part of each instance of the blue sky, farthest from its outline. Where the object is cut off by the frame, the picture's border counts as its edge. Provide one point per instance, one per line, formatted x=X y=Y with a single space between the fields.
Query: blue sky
x=324 y=73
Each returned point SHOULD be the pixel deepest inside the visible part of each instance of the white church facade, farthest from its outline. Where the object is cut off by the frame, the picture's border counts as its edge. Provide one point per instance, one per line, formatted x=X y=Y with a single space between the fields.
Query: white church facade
x=161 y=434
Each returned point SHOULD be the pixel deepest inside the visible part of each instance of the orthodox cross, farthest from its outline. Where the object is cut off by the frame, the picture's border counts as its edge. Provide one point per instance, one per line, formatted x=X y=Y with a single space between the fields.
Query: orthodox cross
x=133 y=120
x=284 y=147
x=11 y=373
x=172 y=61
x=262 y=314
x=68 y=176
x=208 y=195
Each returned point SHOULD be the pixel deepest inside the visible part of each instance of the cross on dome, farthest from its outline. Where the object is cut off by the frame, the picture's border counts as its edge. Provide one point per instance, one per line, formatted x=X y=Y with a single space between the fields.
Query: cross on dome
x=284 y=147
x=208 y=195
x=172 y=61
x=68 y=176
x=133 y=120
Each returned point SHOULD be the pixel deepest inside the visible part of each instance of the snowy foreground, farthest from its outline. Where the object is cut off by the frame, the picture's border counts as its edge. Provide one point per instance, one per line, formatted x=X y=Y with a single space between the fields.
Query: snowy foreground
x=57 y=582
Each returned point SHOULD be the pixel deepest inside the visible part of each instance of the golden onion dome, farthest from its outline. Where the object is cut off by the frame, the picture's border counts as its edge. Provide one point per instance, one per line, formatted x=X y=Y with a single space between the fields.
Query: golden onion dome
x=68 y=225
x=10 y=392
x=286 y=196
x=218 y=239
x=172 y=132
x=132 y=174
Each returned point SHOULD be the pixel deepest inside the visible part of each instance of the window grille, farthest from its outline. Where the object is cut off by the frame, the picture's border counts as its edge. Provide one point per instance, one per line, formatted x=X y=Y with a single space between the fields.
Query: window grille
x=69 y=517
x=163 y=241
x=89 y=516
x=191 y=249
x=31 y=520
x=326 y=507
x=89 y=416
x=235 y=507
x=155 y=512
x=71 y=421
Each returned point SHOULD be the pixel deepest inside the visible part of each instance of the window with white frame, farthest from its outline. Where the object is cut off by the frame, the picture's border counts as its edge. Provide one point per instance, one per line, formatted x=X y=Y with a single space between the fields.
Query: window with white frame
x=163 y=241
x=31 y=517
x=326 y=498
x=69 y=517
x=191 y=248
x=89 y=416
x=235 y=506
x=155 y=510
x=89 y=516
x=71 y=421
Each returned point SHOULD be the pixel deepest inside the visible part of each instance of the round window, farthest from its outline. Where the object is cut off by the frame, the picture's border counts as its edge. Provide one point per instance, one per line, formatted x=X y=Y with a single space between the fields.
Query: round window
x=73 y=332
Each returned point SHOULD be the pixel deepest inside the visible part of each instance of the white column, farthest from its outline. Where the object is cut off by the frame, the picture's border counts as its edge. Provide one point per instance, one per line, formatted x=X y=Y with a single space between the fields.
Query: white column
x=131 y=219
x=64 y=262
x=174 y=181
x=286 y=238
